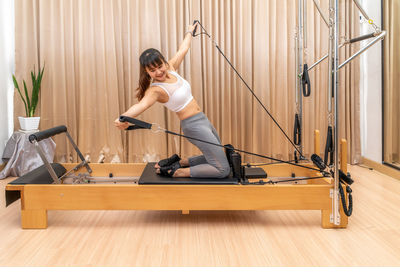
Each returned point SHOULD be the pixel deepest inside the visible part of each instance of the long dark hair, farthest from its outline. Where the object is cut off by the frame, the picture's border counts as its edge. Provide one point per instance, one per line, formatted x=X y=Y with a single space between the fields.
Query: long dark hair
x=149 y=58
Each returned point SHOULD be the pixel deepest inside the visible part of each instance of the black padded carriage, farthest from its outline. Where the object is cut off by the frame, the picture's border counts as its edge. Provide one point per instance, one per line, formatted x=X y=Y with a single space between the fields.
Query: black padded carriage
x=149 y=176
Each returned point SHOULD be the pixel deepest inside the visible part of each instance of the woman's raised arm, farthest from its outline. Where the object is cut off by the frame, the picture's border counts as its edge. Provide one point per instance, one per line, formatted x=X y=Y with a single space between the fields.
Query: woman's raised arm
x=175 y=61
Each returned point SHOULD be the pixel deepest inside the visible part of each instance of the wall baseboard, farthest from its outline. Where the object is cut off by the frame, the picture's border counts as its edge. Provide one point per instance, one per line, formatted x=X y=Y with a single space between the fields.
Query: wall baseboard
x=381 y=168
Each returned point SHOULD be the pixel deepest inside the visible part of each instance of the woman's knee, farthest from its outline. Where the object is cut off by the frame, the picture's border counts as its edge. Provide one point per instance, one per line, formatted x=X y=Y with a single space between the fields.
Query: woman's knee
x=224 y=170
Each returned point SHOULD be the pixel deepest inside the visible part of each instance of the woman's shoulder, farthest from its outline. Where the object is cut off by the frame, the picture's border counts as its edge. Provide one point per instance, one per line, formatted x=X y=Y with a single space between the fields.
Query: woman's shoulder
x=171 y=66
x=156 y=89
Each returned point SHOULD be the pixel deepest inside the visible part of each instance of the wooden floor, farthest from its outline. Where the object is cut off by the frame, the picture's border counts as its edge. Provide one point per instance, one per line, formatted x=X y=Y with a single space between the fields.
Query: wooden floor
x=216 y=238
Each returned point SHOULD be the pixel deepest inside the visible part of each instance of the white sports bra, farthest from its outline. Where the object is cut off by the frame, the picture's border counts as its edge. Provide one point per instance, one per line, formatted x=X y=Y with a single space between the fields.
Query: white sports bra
x=179 y=93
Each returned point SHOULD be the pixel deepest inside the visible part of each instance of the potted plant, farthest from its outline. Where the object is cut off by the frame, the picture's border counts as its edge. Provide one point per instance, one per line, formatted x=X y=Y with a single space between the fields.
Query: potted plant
x=30 y=123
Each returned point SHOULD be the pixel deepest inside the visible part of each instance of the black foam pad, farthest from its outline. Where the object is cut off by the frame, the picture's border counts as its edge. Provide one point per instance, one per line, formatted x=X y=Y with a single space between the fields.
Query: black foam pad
x=47 y=133
x=40 y=175
x=252 y=173
x=149 y=176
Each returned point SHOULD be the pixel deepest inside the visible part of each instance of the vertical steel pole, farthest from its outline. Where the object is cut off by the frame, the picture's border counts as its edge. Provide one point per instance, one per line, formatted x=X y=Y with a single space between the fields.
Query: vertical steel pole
x=305 y=24
x=299 y=68
x=334 y=93
x=337 y=118
x=333 y=96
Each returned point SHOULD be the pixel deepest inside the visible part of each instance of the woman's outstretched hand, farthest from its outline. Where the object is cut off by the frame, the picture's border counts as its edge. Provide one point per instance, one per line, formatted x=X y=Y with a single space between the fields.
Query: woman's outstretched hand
x=190 y=28
x=121 y=125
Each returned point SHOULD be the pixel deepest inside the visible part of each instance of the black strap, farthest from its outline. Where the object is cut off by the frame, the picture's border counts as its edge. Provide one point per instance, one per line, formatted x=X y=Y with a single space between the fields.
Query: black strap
x=348 y=210
x=195 y=28
x=305 y=80
x=297 y=130
x=138 y=124
x=329 y=149
x=243 y=151
x=146 y=125
x=250 y=89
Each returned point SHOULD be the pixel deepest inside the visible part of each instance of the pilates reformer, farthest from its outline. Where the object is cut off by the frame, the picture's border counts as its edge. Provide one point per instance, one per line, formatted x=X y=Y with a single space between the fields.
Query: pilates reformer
x=136 y=186
x=281 y=185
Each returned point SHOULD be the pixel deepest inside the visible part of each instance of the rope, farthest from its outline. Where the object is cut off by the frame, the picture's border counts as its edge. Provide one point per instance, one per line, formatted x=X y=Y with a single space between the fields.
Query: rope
x=248 y=87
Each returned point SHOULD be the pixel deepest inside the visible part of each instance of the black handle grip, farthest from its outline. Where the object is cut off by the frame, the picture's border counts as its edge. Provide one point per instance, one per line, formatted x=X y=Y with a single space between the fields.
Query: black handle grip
x=297 y=130
x=195 y=28
x=306 y=81
x=318 y=161
x=362 y=37
x=137 y=123
x=345 y=178
x=47 y=133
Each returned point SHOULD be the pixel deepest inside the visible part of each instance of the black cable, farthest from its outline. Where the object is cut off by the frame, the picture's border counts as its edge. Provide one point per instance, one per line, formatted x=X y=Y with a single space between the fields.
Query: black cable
x=146 y=125
x=242 y=151
x=347 y=210
x=201 y=34
x=251 y=90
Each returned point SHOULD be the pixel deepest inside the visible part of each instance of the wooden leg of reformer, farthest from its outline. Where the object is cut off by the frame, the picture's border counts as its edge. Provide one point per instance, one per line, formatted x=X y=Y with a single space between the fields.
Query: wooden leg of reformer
x=316 y=142
x=326 y=218
x=185 y=212
x=34 y=219
x=326 y=214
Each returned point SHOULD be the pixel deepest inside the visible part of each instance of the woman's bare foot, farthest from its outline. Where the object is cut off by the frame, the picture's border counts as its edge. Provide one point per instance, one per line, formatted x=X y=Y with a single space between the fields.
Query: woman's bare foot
x=182 y=172
x=183 y=162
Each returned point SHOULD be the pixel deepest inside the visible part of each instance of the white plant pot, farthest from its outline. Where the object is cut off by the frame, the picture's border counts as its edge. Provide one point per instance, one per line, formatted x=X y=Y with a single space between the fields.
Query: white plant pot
x=29 y=123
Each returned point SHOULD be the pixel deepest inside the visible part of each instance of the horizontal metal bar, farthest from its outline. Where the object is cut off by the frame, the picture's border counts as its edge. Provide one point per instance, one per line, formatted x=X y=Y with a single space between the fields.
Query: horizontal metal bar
x=320 y=12
x=376 y=39
x=97 y=180
x=319 y=61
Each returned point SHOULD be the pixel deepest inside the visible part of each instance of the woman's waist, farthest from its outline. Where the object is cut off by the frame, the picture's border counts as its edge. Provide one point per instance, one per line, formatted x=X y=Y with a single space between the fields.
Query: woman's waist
x=190 y=111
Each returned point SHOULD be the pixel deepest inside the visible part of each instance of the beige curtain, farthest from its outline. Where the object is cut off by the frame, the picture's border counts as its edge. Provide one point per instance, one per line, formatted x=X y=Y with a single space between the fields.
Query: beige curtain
x=392 y=82
x=91 y=50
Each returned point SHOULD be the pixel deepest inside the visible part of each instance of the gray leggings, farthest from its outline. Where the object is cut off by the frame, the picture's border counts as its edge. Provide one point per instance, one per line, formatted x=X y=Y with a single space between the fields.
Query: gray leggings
x=213 y=162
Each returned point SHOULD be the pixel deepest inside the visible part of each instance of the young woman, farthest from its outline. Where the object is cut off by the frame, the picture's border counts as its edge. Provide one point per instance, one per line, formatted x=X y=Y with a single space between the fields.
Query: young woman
x=159 y=82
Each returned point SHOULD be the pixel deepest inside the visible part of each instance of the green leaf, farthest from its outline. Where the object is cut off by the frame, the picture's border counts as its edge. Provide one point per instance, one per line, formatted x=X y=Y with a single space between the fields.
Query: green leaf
x=34 y=97
x=19 y=91
x=27 y=98
x=36 y=89
x=40 y=76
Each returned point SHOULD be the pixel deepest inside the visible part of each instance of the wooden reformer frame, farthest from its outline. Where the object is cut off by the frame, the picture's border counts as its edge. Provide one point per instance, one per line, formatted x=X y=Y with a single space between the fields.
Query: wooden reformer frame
x=37 y=199
x=319 y=194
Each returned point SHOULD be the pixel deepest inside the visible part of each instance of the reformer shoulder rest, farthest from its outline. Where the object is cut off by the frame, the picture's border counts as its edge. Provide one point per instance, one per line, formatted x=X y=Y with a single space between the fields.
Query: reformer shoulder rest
x=47 y=133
